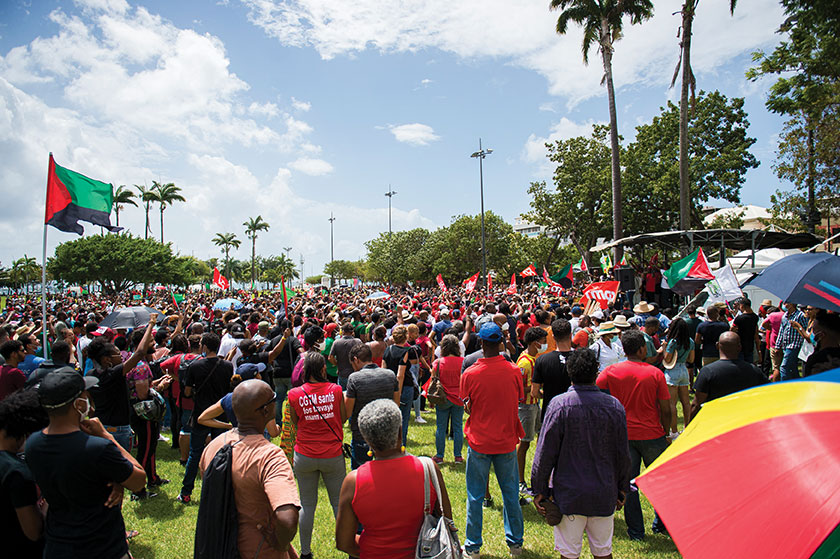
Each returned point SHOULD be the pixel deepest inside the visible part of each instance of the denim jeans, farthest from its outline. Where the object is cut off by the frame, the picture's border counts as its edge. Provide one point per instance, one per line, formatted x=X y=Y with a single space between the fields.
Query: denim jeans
x=507 y=473
x=122 y=434
x=360 y=453
x=281 y=388
x=790 y=364
x=199 y=434
x=648 y=451
x=443 y=413
x=342 y=382
x=405 y=408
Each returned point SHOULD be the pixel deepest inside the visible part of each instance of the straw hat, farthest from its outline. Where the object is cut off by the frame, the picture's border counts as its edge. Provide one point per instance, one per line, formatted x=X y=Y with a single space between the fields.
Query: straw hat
x=607 y=327
x=767 y=303
x=642 y=308
x=669 y=363
x=620 y=321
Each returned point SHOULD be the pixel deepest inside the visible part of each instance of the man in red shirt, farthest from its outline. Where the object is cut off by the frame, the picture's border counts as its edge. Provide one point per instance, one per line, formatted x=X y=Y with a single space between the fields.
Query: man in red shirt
x=11 y=378
x=641 y=389
x=491 y=390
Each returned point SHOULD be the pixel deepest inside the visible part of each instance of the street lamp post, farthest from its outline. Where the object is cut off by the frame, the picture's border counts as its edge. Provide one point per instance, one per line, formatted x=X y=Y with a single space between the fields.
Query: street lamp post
x=287 y=250
x=332 y=277
x=390 y=194
x=480 y=155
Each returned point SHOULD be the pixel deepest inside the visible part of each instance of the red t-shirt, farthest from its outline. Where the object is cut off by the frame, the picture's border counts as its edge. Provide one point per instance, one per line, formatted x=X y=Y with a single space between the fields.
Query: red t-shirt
x=390 y=532
x=494 y=388
x=639 y=387
x=11 y=380
x=450 y=377
x=315 y=438
x=171 y=367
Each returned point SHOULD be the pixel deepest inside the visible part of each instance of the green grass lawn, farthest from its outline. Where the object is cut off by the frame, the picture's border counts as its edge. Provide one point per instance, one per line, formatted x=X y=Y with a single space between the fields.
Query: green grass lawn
x=167 y=528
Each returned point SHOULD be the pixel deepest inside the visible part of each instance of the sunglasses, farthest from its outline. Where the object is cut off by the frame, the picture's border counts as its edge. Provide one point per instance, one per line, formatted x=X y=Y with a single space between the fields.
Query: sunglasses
x=273 y=399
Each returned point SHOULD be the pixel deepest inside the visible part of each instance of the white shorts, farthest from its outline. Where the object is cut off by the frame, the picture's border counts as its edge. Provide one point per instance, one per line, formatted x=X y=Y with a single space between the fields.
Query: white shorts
x=568 y=535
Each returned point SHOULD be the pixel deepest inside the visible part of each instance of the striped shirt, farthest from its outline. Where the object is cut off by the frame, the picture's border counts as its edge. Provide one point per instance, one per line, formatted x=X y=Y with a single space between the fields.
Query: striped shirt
x=788 y=337
x=526 y=366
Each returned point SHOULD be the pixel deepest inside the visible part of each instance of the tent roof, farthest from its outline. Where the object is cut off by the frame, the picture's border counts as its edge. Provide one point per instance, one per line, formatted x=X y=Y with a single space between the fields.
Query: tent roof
x=737 y=239
x=751 y=213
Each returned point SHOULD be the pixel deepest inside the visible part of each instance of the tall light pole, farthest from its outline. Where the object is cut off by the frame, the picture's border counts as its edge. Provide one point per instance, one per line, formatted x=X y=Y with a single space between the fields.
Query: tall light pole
x=332 y=277
x=301 y=270
x=390 y=194
x=288 y=250
x=481 y=154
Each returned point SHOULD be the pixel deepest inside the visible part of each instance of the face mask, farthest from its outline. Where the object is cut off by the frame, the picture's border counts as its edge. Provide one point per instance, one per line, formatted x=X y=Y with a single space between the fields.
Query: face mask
x=320 y=346
x=543 y=348
x=85 y=413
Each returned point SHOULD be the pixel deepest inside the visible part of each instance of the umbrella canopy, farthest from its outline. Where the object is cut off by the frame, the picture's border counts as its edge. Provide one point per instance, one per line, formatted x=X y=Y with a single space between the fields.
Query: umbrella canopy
x=809 y=278
x=130 y=317
x=377 y=295
x=226 y=304
x=755 y=474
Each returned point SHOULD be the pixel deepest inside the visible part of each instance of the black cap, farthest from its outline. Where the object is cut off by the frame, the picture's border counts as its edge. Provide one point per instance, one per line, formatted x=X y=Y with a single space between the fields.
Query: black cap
x=62 y=387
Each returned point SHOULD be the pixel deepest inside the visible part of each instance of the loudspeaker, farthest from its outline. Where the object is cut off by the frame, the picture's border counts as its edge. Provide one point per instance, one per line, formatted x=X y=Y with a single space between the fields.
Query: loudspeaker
x=626 y=278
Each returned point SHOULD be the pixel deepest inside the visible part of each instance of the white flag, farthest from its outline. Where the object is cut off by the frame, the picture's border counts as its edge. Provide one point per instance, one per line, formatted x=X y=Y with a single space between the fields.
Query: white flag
x=724 y=288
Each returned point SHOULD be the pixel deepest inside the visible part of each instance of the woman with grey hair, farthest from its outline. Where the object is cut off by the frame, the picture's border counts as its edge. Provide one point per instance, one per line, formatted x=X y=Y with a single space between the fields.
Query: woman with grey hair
x=368 y=494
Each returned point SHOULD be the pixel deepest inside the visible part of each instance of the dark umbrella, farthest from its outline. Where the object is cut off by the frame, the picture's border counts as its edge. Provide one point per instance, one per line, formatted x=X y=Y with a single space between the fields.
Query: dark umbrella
x=805 y=279
x=130 y=317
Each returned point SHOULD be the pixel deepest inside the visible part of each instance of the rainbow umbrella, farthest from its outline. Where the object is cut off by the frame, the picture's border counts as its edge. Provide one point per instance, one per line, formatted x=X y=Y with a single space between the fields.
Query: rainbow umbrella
x=755 y=474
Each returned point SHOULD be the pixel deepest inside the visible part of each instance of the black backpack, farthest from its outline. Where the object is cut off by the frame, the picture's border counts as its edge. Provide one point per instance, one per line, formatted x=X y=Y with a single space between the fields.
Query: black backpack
x=217 y=527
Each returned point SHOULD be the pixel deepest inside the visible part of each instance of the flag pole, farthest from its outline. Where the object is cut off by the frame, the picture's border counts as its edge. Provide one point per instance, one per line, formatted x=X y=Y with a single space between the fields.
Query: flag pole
x=44 y=269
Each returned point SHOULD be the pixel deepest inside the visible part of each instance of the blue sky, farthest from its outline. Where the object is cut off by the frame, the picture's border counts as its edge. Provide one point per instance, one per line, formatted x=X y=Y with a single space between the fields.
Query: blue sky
x=293 y=109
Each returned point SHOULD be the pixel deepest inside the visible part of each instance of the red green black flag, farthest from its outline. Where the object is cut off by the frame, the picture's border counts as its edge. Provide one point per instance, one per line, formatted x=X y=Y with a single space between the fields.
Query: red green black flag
x=564 y=277
x=690 y=274
x=73 y=197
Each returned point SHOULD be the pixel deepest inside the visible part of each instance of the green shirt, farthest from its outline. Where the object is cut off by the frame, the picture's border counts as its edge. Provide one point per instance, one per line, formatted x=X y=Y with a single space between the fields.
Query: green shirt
x=332 y=370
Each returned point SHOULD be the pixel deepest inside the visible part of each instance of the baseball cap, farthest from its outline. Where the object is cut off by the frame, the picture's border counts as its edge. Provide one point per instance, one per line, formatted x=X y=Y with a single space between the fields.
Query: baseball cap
x=490 y=332
x=250 y=370
x=63 y=386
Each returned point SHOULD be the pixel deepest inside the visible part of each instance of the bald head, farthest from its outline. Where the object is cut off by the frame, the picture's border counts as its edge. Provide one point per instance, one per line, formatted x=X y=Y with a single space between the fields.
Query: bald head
x=249 y=403
x=499 y=319
x=729 y=345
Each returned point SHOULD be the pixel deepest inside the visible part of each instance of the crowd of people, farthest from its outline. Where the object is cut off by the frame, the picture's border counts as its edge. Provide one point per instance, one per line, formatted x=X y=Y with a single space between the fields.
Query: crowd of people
x=263 y=392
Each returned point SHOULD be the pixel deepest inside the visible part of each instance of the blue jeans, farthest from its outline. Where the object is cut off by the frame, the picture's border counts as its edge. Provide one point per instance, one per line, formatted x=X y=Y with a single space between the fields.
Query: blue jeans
x=790 y=364
x=443 y=413
x=405 y=408
x=281 y=387
x=648 y=451
x=342 y=382
x=360 y=450
x=507 y=473
x=122 y=434
x=199 y=434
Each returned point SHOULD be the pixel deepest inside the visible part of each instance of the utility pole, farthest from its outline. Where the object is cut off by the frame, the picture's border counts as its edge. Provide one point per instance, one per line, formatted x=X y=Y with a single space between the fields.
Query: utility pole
x=480 y=155
x=332 y=277
x=390 y=194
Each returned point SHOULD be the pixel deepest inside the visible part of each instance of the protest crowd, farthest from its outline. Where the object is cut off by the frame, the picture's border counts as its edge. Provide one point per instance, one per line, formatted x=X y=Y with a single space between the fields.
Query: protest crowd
x=255 y=397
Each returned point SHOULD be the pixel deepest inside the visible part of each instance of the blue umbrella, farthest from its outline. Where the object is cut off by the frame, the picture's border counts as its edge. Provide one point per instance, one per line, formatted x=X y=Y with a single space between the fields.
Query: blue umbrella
x=225 y=304
x=805 y=279
x=377 y=295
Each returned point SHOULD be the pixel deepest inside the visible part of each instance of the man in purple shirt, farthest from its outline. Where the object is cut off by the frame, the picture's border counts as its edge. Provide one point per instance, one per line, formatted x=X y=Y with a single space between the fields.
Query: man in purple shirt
x=584 y=453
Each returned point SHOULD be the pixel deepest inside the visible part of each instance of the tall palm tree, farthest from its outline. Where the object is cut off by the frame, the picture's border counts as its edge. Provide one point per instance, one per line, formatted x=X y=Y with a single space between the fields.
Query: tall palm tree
x=146 y=194
x=23 y=269
x=165 y=195
x=602 y=22
x=688 y=82
x=226 y=241
x=252 y=227
x=123 y=196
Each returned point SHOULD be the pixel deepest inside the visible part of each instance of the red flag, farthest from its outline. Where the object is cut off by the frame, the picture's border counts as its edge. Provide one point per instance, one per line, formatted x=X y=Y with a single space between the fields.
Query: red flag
x=356 y=283
x=530 y=271
x=219 y=280
x=470 y=283
x=512 y=289
x=489 y=283
x=604 y=292
x=440 y=282
x=311 y=292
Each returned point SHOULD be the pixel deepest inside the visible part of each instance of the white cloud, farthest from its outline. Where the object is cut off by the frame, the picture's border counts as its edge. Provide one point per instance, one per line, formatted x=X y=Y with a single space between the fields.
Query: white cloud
x=415 y=134
x=521 y=34
x=534 y=150
x=301 y=105
x=313 y=167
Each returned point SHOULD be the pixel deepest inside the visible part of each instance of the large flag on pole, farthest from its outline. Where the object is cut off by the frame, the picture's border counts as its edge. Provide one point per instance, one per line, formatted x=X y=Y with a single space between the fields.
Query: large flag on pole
x=529 y=272
x=73 y=197
x=489 y=282
x=604 y=292
x=470 y=283
x=565 y=277
x=440 y=282
x=512 y=289
x=688 y=275
x=219 y=280
x=581 y=265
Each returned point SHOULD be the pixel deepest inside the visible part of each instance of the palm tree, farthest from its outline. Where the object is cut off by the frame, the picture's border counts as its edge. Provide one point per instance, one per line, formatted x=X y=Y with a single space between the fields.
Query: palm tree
x=146 y=196
x=23 y=268
x=165 y=195
x=252 y=227
x=602 y=22
x=688 y=82
x=226 y=241
x=123 y=197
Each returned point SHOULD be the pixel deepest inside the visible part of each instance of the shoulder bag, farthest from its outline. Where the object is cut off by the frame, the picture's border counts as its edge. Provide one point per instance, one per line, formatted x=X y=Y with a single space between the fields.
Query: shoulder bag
x=438 y=536
x=346 y=449
x=435 y=393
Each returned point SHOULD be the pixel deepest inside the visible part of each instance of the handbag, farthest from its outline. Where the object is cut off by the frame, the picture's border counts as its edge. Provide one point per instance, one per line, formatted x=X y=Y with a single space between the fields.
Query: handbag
x=438 y=538
x=346 y=449
x=435 y=393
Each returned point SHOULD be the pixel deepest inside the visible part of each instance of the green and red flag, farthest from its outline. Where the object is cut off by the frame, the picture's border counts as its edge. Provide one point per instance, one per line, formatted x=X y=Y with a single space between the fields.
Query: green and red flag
x=565 y=277
x=690 y=274
x=73 y=197
x=581 y=265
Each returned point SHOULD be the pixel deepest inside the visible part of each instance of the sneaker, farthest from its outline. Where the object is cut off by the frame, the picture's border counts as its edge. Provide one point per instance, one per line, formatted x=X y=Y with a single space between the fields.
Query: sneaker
x=523 y=488
x=472 y=554
x=516 y=551
x=459 y=459
x=158 y=482
x=524 y=501
x=306 y=556
x=142 y=495
x=488 y=502
x=419 y=419
x=437 y=459
x=660 y=530
x=162 y=438
x=185 y=499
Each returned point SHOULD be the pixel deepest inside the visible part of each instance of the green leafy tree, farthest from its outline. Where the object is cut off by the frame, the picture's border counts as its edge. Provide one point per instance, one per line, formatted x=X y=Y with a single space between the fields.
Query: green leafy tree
x=341 y=269
x=165 y=195
x=314 y=279
x=117 y=262
x=227 y=241
x=123 y=196
x=603 y=23
x=396 y=257
x=24 y=271
x=718 y=156
x=252 y=228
